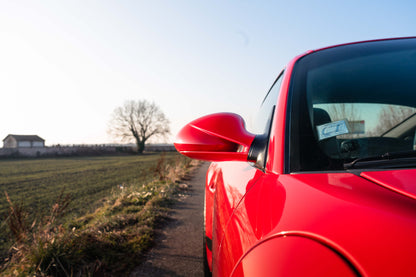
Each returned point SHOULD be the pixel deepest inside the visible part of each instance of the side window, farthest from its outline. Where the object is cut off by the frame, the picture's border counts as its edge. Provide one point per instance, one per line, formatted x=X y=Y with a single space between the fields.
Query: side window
x=258 y=150
x=265 y=114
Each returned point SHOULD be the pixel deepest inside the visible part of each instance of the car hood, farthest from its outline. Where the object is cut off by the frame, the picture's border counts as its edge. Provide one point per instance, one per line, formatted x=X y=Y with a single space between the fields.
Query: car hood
x=369 y=218
x=400 y=181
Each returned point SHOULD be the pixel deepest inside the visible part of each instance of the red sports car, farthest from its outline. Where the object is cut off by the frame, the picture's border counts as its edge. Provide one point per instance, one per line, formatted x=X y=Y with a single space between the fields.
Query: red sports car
x=326 y=185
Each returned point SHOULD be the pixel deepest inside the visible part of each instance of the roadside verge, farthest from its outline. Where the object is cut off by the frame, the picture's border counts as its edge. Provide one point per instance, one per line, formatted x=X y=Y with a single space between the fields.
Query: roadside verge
x=178 y=245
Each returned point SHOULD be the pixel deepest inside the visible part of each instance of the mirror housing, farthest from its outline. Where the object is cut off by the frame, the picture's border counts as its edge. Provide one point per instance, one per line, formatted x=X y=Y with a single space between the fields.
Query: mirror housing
x=215 y=137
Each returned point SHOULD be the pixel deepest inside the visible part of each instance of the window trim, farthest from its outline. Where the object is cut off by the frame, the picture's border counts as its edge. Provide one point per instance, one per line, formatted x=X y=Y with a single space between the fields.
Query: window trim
x=260 y=146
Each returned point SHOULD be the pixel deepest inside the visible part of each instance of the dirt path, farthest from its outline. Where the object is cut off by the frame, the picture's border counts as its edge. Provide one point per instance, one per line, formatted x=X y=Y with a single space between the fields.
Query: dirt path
x=178 y=248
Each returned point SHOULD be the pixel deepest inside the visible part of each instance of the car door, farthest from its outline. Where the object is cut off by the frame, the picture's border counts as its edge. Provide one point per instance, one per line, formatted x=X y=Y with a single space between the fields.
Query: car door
x=235 y=215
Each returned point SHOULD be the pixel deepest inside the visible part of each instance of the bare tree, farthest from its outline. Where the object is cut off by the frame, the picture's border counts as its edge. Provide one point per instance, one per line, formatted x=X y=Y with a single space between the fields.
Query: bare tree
x=390 y=116
x=140 y=120
x=341 y=111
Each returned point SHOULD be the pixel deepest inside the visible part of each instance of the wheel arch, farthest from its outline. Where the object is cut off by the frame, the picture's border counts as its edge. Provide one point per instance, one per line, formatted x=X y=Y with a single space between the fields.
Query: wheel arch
x=297 y=253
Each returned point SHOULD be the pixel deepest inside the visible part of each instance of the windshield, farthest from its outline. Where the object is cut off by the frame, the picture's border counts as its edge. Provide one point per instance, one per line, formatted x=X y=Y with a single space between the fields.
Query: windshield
x=353 y=102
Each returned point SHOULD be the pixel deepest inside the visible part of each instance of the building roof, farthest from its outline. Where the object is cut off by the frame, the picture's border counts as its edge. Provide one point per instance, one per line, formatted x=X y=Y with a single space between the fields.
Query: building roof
x=25 y=138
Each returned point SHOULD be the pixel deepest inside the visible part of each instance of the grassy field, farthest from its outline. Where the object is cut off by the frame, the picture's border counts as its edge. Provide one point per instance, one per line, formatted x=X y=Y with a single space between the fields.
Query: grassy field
x=116 y=204
x=36 y=183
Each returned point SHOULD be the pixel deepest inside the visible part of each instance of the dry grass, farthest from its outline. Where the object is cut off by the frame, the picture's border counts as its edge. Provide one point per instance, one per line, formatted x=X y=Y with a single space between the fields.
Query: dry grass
x=37 y=183
x=108 y=242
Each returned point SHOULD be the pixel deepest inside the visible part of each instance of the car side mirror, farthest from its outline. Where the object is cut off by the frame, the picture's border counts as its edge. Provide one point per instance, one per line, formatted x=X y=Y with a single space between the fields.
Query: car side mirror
x=215 y=137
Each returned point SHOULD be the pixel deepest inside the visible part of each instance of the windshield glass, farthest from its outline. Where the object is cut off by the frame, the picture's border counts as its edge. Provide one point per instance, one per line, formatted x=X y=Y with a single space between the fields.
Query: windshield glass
x=353 y=102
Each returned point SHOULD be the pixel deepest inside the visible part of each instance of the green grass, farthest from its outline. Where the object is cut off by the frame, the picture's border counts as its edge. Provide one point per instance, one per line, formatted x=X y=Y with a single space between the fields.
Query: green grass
x=37 y=183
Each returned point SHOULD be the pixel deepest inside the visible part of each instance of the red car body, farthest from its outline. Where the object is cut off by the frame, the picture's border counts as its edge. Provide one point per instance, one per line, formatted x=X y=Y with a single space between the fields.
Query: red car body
x=271 y=210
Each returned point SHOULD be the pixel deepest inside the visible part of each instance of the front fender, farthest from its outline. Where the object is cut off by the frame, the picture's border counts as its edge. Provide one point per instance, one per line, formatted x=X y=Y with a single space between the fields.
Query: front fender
x=294 y=255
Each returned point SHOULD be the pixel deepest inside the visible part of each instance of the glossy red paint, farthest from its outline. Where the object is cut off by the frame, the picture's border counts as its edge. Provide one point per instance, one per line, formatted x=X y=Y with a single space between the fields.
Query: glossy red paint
x=212 y=179
x=230 y=191
x=400 y=181
x=216 y=137
x=359 y=42
x=299 y=257
x=263 y=221
x=351 y=213
x=366 y=223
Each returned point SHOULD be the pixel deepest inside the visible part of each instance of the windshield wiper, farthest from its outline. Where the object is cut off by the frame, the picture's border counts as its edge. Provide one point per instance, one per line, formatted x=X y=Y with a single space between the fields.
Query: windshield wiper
x=386 y=160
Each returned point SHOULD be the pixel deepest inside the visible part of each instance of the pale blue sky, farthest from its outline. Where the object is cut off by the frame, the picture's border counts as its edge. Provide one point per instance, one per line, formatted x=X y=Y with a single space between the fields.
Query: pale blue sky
x=66 y=65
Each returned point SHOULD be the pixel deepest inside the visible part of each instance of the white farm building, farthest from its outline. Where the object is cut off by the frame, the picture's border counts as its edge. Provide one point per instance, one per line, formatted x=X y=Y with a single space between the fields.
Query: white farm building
x=23 y=141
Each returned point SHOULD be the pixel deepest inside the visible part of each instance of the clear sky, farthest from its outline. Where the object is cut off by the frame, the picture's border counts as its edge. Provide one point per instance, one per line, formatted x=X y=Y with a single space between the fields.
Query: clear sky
x=66 y=65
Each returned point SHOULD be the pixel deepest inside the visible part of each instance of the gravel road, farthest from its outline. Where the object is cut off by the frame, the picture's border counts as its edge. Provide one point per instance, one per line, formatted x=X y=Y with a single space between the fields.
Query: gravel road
x=178 y=247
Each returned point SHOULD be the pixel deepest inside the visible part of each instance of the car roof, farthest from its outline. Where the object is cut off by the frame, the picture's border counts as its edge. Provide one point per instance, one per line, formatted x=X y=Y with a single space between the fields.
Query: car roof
x=356 y=42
